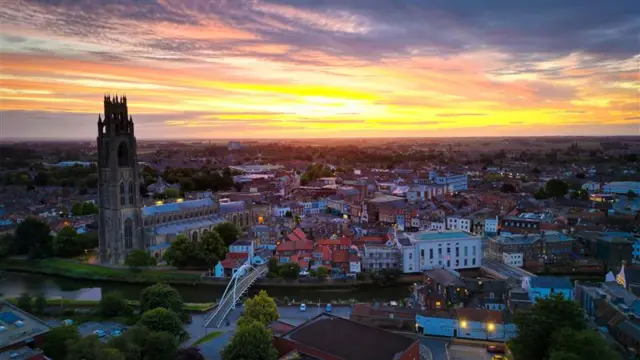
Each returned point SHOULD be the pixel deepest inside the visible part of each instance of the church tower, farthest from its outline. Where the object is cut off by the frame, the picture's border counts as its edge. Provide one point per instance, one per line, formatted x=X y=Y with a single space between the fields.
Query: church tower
x=120 y=220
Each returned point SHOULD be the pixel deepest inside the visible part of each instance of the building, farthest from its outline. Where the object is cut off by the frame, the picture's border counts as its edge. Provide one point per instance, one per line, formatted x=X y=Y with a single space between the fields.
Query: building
x=388 y=317
x=442 y=289
x=377 y=257
x=454 y=182
x=491 y=226
x=612 y=248
x=466 y=323
x=543 y=286
x=450 y=249
x=549 y=244
x=243 y=246
x=120 y=220
x=519 y=225
x=621 y=187
x=513 y=259
x=160 y=186
x=328 y=337
x=458 y=223
x=591 y=187
x=21 y=334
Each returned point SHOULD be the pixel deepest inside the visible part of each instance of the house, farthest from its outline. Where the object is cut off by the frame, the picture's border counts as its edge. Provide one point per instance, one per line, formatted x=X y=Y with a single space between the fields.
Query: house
x=288 y=248
x=296 y=235
x=389 y=317
x=328 y=337
x=21 y=334
x=591 y=187
x=261 y=256
x=233 y=262
x=242 y=246
x=452 y=249
x=513 y=259
x=354 y=264
x=629 y=278
x=160 y=186
x=322 y=256
x=494 y=294
x=543 y=286
x=458 y=223
x=480 y=324
x=443 y=288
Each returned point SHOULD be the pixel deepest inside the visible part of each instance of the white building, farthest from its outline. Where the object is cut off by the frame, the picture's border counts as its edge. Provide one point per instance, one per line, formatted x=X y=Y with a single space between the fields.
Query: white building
x=491 y=225
x=454 y=182
x=423 y=192
x=437 y=226
x=513 y=259
x=622 y=187
x=591 y=187
x=450 y=249
x=242 y=246
x=354 y=266
x=378 y=257
x=280 y=211
x=458 y=223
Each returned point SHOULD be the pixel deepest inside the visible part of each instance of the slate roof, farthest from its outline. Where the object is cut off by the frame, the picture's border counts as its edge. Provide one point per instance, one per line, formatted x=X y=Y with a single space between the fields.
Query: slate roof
x=479 y=315
x=349 y=340
x=547 y=282
x=444 y=277
x=177 y=207
x=630 y=329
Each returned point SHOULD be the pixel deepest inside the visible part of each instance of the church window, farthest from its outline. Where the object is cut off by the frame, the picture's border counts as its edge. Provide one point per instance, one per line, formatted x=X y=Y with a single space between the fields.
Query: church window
x=123 y=155
x=122 y=193
x=128 y=234
x=131 y=193
x=194 y=236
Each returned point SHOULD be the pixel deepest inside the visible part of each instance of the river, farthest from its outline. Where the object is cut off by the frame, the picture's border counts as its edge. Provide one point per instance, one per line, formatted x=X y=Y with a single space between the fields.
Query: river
x=13 y=284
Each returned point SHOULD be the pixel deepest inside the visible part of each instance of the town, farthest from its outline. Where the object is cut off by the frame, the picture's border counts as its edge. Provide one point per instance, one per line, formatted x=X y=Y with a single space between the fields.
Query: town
x=472 y=236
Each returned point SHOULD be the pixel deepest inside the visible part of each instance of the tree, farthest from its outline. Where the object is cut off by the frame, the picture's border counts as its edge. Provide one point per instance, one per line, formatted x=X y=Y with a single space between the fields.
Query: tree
x=161 y=296
x=171 y=193
x=77 y=209
x=33 y=237
x=556 y=188
x=7 y=245
x=228 y=232
x=86 y=348
x=161 y=319
x=536 y=328
x=585 y=344
x=507 y=188
x=289 y=271
x=132 y=342
x=322 y=272
x=110 y=354
x=139 y=258
x=67 y=243
x=113 y=304
x=89 y=208
x=55 y=341
x=211 y=249
x=39 y=304
x=581 y=194
x=160 y=346
x=24 y=302
x=273 y=265
x=631 y=194
x=288 y=214
x=190 y=353
x=261 y=308
x=182 y=253
x=251 y=342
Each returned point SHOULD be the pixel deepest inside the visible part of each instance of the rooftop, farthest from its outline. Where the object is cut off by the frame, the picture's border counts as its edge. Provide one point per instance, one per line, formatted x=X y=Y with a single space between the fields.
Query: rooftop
x=22 y=353
x=386 y=198
x=547 y=282
x=17 y=325
x=177 y=206
x=349 y=340
x=183 y=225
x=441 y=235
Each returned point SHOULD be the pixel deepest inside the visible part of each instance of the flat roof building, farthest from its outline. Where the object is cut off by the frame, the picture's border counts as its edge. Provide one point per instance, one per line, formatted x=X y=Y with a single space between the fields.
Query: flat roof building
x=450 y=249
x=19 y=332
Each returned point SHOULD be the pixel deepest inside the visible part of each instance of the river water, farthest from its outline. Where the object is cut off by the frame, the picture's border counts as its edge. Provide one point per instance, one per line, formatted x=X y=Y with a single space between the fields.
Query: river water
x=13 y=284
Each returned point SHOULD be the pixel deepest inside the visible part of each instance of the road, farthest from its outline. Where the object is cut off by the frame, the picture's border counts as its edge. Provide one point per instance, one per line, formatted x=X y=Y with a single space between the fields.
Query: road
x=227 y=303
x=469 y=352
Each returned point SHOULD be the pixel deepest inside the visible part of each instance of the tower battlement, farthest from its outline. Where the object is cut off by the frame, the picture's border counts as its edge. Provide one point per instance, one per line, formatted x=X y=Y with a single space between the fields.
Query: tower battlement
x=116 y=116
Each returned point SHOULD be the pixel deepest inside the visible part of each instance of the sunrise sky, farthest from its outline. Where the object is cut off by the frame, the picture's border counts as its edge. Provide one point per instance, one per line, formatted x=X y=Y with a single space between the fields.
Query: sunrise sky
x=321 y=68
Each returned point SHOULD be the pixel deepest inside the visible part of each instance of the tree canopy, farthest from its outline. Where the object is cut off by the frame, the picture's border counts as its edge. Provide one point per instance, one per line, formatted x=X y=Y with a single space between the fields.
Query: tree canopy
x=556 y=188
x=33 y=237
x=552 y=319
x=55 y=341
x=228 y=232
x=289 y=271
x=113 y=304
x=203 y=254
x=139 y=258
x=261 y=308
x=161 y=319
x=161 y=296
x=252 y=341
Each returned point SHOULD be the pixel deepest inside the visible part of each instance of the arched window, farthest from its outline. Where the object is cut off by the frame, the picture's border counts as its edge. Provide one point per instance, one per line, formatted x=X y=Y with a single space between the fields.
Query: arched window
x=204 y=232
x=131 y=192
x=122 y=194
x=128 y=234
x=194 y=236
x=123 y=155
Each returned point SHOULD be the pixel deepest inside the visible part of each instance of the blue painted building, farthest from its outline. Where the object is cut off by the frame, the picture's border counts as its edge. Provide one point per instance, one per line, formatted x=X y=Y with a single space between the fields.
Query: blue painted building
x=543 y=286
x=466 y=323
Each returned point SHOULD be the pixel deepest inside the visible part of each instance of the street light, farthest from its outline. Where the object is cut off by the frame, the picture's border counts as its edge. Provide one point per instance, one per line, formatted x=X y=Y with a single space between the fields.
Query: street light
x=491 y=327
x=463 y=324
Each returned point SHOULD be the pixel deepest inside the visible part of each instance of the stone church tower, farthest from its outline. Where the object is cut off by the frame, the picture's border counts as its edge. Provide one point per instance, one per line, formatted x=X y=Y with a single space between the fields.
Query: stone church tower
x=120 y=220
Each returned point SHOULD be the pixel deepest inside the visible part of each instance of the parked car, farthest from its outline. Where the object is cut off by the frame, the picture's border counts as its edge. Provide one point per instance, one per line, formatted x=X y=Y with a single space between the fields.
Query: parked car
x=303 y=307
x=100 y=333
x=496 y=349
x=328 y=308
x=116 y=332
x=67 y=322
x=498 y=357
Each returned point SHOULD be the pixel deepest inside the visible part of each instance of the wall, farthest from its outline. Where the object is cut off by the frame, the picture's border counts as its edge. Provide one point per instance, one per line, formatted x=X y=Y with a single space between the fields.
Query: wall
x=543 y=293
x=437 y=326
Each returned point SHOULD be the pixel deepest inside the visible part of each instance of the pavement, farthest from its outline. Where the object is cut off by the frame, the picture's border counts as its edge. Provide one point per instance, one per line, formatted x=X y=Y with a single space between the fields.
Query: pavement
x=87 y=328
x=469 y=352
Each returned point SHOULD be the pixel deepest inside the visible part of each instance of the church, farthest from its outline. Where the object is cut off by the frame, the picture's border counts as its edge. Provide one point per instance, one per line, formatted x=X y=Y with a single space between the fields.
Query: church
x=124 y=223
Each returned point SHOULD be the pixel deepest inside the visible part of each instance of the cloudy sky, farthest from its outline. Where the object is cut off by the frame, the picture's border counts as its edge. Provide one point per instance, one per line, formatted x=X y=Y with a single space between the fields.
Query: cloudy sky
x=321 y=68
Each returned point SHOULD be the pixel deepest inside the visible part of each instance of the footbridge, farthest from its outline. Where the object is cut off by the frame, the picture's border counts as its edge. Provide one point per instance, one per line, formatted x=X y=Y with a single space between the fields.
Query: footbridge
x=240 y=282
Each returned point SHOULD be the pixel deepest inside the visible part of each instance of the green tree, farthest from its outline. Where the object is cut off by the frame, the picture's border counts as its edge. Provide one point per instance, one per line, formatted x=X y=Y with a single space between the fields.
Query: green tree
x=55 y=341
x=182 y=253
x=110 y=354
x=67 y=243
x=190 y=353
x=161 y=296
x=536 y=328
x=161 y=319
x=25 y=302
x=139 y=258
x=631 y=194
x=261 y=308
x=541 y=194
x=322 y=272
x=556 y=188
x=7 y=245
x=585 y=344
x=211 y=249
x=39 y=304
x=228 y=232
x=89 y=208
x=132 y=342
x=33 y=237
x=86 y=348
x=77 y=209
x=288 y=214
x=160 y=346
x=289 y=271
x=113 y=304
x=171 y=193
x=581 y=194
x=251 y=342
x=273 y=265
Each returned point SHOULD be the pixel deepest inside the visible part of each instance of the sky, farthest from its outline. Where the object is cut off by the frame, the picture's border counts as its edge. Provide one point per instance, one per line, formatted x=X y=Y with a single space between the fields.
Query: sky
x=239 y=69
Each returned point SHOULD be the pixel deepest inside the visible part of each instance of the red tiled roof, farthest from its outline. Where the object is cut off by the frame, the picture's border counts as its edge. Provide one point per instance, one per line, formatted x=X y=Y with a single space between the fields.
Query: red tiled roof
x=286 y=246
x=479 y=315
x=300 y=245
x=354 y=258
x=231 y=263
x=297 y=235
x=328 y=242
x=237 y=255
x=371 y=240
x=325 y=251
x=340 y=256
x=345 y=241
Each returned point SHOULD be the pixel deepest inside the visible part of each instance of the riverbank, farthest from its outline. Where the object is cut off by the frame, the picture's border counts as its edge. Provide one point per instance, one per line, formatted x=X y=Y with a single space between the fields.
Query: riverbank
x=72 y=303
x=76 y=270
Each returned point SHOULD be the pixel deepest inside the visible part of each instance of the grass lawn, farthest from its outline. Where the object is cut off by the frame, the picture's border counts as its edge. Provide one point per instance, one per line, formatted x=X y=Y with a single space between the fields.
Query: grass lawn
x=210 y=336
x=190 y=307
x=74 y=269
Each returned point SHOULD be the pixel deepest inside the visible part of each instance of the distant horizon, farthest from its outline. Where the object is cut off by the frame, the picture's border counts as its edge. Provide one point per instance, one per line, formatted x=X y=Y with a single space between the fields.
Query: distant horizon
x=290 y=69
